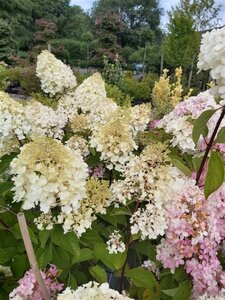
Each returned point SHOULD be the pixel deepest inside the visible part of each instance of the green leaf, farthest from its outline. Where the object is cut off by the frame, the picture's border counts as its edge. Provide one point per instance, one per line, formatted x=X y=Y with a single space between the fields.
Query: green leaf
x=121 y=211
x=149 y=295
x=17 y=233
x=72 y=283
x=3 y=256
x=6 y=186
x=68 y=241
x=61 y=258
x=177 y=162
x=215 y=174
x=170 y=292
x=44 y=256
x=183 y=291
x=5 y=162
x=19 y=265
x=44 y=236
x=85 y=254
x=112 y=261
x=91 y=237
x=200 y=125
x=220 y=136
x=146 y=248
x=98 y=273
x=143 y=278
x=93 y=160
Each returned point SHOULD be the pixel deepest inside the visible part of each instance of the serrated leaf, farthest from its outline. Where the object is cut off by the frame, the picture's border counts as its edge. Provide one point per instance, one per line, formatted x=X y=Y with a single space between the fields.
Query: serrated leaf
x=143 y=278
x=200 y=125
x=215 y=174
x=183 y=291
x=220 y=136
x=98 y=273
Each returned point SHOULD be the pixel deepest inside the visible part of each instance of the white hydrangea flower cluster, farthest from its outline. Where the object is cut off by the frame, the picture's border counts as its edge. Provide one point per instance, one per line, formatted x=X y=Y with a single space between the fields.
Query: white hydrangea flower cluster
x=45 y=221
x=13 y=124
x=92 y=291
x=211 y=57
x=44 y=120
x=79 y=144
x=179 y=125
x=96 y=202
x=140 y=117
x=150 y=221
x=55 y=76
x=151 y=266
x=143 y=175
x=49 y=174
x=90 y=100
x=114 y=244
x=148 y=179
x=114 y=140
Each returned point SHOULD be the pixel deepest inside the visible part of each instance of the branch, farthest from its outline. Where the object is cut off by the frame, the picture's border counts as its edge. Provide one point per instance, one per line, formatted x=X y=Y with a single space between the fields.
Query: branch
x=128 y=242
x=31 y=255
x=209 y=146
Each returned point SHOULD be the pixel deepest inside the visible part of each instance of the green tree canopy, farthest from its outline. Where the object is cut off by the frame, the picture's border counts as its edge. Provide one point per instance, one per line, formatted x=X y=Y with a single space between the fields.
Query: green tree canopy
x=182 y=41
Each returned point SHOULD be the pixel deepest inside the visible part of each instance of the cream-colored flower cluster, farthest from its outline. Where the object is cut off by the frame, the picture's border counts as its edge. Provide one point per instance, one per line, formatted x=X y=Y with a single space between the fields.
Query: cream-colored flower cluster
x=44 y=120
x=114 y=140
x=211 y=57
x=90 y=100
x=148 y=180
x=49 y=174
x=79 y=220
x=13 y=124
x=140 y=117
x=92 y=291
x=115 y=244
x=55 y=76
x=142 y=174
x=96 y=202
x=79 y=144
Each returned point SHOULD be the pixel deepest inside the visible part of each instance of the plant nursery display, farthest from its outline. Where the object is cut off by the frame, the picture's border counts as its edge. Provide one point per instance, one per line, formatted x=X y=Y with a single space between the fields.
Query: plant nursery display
x=99 y=201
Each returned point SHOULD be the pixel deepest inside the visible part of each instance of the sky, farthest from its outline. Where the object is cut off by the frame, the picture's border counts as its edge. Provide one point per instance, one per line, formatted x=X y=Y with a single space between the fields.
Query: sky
x=165 y=4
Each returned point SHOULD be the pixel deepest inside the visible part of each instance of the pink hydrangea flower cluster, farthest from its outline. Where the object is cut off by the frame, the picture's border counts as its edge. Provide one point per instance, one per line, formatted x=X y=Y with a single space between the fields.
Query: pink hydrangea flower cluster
x=97 y=171
x=29 y=289
x=196 y=229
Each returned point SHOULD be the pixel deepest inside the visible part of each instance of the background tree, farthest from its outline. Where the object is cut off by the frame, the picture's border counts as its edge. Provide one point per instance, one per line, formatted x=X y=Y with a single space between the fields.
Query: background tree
x=182 y=41
x=205 y=13
x=6 y=43
x=108 y=29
